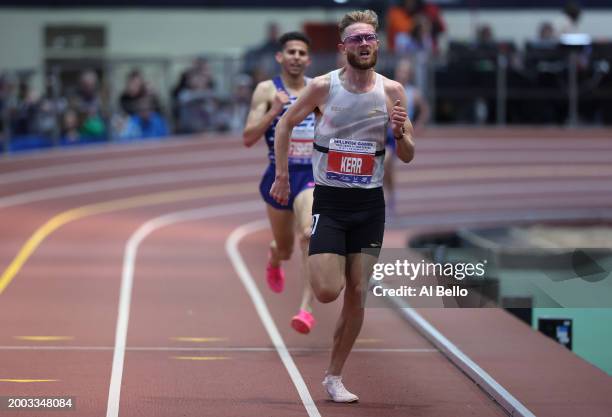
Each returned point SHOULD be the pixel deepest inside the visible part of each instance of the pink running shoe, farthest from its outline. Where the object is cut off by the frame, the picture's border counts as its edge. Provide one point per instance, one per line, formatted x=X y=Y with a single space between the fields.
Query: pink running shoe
x=275 y=277
x=303 y=322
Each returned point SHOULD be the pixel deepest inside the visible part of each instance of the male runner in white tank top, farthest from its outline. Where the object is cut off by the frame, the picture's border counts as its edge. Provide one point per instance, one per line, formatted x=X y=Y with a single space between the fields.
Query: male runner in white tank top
x=353 y=106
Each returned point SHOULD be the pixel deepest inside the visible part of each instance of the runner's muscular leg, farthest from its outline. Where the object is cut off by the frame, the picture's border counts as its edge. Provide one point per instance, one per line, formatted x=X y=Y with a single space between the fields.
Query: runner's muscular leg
x=351 y=318
x=302 y=207
x=281 y=222
x=327 y=275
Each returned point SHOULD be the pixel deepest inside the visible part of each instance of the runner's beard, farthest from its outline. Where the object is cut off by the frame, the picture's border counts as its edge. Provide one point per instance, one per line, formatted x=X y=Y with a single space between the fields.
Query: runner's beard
x=353 y=60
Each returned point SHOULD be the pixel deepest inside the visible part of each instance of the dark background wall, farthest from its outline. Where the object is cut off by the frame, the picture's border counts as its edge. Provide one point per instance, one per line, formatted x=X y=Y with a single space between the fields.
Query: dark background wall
x=377 y=5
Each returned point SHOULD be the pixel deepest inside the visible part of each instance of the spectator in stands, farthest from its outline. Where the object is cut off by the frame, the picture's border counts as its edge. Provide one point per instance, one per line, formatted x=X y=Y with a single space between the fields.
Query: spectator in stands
x=418 y=111
x=400 y=21
x=198 y=65
x=418 y=40
x=414 y=19
x=89 y=105
x=484 y=35
x=201 y=66
x=145 y=122
x=5 y=93
x=70 y=127
x=195 y=104
x=485 y=64
x=416 y=105
x=50 y=109
x=546 y=33
x=88 y=94
x=180 y=86
x=199 y=69
x=136 y=88
x=259 y=61
x=434 y=15
x=569 y=22
x=22 y=110
x=413 y=29
x=240 y=102
x=270 y=44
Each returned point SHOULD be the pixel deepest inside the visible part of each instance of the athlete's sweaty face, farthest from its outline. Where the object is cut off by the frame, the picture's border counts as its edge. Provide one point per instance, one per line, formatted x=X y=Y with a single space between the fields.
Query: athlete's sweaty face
x=294 y=57
x=360 y=44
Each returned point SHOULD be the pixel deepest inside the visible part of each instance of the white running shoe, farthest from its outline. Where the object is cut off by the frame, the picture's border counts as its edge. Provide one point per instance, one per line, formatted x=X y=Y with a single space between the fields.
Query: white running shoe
x=335 y=388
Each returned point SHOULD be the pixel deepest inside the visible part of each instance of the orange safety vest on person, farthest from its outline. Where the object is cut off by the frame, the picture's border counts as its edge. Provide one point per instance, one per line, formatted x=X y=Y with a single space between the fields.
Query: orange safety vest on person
x=398 y=21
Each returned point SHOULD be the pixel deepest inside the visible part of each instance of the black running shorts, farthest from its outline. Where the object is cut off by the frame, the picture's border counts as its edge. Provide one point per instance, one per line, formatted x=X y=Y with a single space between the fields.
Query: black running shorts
x=347 y=220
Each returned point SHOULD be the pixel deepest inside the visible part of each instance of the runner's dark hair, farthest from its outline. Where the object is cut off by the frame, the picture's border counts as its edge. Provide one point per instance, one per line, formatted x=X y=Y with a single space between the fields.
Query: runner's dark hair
x=292 y=36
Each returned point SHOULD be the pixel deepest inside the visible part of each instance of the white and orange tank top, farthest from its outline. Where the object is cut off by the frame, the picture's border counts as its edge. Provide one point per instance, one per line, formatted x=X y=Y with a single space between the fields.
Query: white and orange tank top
x=350 y=137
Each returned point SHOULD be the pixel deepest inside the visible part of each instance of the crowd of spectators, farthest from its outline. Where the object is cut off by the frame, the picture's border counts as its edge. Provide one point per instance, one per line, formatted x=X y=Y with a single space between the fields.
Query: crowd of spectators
x=84 y=112
x=414 y=26
x=75 y=117
x=537 y=76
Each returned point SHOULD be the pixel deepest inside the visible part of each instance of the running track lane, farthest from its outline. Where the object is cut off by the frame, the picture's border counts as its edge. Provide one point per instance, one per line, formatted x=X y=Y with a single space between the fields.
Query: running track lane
x=40 y=309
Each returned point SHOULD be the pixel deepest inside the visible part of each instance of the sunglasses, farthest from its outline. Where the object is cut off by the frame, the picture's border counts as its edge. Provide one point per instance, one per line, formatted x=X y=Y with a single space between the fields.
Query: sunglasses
x=358 y=39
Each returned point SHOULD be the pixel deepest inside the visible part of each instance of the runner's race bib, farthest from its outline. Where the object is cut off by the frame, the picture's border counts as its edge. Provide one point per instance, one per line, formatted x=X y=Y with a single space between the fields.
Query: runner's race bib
x=351 y=161
x=300 y=144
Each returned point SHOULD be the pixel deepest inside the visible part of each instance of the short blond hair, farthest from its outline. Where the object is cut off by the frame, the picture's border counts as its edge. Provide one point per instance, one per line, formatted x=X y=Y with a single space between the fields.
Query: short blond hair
x=358 y=16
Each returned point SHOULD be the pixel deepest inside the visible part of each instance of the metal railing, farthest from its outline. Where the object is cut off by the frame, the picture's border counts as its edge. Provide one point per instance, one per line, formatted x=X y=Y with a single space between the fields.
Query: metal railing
x=445 y=80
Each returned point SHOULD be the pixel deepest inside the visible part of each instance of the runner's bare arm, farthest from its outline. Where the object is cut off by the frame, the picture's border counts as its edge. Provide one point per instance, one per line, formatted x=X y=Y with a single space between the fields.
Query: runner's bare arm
x=314 y=94
x=400 y=123
x=260 y=117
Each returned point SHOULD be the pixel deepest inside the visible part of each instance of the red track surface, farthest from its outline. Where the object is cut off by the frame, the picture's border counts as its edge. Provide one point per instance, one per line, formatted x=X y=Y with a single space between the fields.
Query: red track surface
x=186 y=286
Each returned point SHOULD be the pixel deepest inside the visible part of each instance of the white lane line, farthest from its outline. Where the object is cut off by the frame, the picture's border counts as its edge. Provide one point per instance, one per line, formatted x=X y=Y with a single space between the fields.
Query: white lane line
x=513 y=406
x=505 y=143
x=127 y=279
x=483 y=204
x=214 y=349
x=132 y=181
x=506 y=188
x=432 y=143
x=510 y=157
x=416 y=192
x=110 y=148
x=449 y=160
x=231 y=247
x=126 y=163
x=501 y=216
